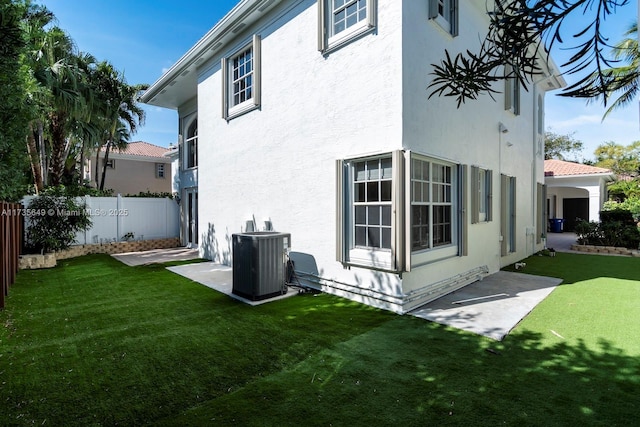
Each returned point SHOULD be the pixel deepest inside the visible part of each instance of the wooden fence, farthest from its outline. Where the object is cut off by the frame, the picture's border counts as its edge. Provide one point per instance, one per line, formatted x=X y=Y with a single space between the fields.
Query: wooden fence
x=11 y=215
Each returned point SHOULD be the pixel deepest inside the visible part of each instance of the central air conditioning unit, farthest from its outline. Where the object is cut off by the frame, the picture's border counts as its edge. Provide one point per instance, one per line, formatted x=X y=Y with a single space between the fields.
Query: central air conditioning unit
x=260 y=264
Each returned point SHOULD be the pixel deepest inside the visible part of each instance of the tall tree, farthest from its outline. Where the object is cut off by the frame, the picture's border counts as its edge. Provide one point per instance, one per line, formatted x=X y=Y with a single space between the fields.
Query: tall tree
x=117 y=114
x=13 y=93
x=558 y=146
x=522 y=31
x=622 y=160
x=627 y=75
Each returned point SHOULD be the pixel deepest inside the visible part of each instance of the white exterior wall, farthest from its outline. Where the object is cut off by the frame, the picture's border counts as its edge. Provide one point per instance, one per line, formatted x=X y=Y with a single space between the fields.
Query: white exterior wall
x=278 y=163
x=468 y=135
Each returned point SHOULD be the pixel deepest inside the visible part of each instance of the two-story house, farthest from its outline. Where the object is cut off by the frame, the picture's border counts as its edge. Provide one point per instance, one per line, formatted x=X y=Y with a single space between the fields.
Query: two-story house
x=315 y=119
x=140 y=167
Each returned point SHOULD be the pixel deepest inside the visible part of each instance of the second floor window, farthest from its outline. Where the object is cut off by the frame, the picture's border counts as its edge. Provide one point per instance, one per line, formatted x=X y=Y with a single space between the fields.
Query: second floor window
x=343 y=20
x=241 y=80
x=192 y=145
x=445 y=13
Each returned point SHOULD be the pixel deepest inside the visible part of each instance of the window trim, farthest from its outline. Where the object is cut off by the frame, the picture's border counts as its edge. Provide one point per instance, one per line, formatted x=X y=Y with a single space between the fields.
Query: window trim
x=160 y=171
x=512 y=98
x=508 y=214
x=449 y=24
x=400 y=258
x=457 y=246
x=230 y=111
x=328 y=41
x=188 y=150
x=481 y=192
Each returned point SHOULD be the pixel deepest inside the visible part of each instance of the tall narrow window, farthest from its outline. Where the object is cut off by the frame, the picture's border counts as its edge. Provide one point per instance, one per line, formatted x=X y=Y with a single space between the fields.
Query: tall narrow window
x=508 y=214
x=445 y=14
x=241 y=80
x=481 y=195
x=372 y=203
x=511 y=91
x=432 y=217
x=341 y=20
x=192 y=145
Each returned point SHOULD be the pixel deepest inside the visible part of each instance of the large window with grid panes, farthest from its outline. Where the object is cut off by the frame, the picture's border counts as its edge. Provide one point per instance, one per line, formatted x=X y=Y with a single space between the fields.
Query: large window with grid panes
x=241 y=80
x=343 y=20
x=398 y=209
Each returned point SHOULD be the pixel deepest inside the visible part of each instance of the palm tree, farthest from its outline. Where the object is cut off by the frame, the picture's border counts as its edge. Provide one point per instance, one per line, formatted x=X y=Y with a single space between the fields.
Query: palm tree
x=118 y=113
x=59 y=92
x=627 y=76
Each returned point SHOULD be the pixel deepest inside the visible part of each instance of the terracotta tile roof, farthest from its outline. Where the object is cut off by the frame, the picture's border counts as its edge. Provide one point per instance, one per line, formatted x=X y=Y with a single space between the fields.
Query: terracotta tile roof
x=141 y=148
x=562 y=168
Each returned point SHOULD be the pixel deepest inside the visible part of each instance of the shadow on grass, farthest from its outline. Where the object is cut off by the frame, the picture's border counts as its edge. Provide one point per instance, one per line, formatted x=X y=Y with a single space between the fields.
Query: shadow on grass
x=410 y=372
x=95 y=342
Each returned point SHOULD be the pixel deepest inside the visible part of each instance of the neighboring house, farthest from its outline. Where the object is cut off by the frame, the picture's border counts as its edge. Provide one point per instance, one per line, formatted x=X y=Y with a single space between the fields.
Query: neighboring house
x=141 y=167
x=575 y=191
x=315 y=119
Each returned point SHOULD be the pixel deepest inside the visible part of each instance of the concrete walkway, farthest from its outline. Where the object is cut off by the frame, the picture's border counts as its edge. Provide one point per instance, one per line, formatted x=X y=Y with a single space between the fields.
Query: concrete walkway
x=220 y=278
x=562 y=242
x=490 y=307
x=157 y=256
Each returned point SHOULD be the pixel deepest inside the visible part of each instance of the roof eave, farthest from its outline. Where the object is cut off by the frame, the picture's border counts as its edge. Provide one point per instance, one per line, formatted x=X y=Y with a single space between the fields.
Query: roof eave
x=212 y=40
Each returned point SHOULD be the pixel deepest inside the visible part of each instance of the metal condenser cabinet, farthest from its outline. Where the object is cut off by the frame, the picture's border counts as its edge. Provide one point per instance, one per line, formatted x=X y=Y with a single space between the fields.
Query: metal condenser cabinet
x=259 y=264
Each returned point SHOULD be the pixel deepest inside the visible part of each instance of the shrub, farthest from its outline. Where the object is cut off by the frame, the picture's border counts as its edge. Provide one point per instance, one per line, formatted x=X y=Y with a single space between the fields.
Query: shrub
x=54 y=222
x=617 y=228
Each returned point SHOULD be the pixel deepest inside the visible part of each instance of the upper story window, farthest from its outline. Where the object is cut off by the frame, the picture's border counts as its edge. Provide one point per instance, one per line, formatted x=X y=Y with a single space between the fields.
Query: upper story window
x=160 y=170
x=342 y=20
x=241 y=80
x=192 y=145
x=445 y=14
x=511 y=91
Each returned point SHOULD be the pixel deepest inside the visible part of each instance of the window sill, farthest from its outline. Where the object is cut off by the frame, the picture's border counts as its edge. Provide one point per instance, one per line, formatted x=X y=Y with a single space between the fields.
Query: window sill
x=347 y=36
x=442 y=24
x=378 y=259
x=241 y=109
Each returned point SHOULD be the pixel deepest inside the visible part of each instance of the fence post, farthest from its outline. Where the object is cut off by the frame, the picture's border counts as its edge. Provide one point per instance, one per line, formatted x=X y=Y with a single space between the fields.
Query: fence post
x=11 y=243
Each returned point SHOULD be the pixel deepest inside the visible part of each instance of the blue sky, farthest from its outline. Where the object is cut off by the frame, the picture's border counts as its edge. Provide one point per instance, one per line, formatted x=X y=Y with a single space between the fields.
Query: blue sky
x=144 y=38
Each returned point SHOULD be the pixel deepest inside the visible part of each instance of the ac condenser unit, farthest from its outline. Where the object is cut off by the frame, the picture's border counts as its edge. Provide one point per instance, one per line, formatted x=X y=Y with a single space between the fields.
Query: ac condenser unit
x=259 y=264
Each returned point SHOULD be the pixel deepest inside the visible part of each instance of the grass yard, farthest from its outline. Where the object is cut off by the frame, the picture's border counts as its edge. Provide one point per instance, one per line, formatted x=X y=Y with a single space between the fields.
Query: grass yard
x=95 y=342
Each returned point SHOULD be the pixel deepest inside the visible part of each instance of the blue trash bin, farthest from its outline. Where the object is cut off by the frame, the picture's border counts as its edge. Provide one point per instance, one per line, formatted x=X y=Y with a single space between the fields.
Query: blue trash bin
x=555 y=224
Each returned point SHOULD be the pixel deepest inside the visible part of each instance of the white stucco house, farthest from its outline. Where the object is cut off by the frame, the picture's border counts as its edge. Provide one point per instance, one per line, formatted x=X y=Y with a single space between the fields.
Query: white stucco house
x=314 y=119
x=575 y=191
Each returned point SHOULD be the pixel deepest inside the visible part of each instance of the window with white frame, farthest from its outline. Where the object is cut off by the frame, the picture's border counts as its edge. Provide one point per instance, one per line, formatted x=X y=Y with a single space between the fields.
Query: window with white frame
x=431 y=205
x=241 y=80
x=372 y=181
x=389 y=223
x=160 y=170
x=341 y=20
x=511 y=91
x=481 y=194
x=508 y=214
x=192 y=145
x=109 y=164
x=445 y=14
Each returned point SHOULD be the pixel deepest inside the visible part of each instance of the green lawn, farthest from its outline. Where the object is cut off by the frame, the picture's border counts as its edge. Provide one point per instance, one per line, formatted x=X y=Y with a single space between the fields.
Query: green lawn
x=94 y=342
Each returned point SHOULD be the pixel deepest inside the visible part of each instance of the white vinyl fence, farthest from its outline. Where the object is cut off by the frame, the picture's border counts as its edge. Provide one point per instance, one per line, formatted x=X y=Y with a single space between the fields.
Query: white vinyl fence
x=114 y=217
